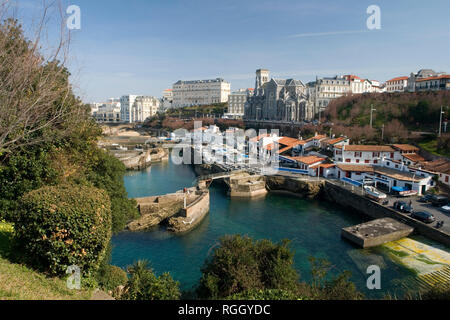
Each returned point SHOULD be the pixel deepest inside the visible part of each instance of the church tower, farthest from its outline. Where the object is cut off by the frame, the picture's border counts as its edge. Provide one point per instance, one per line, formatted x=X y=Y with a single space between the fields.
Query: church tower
x=262 y=77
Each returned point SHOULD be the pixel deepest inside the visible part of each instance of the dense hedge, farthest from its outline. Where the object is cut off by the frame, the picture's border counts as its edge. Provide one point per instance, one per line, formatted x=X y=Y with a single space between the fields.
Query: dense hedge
x=64 y=225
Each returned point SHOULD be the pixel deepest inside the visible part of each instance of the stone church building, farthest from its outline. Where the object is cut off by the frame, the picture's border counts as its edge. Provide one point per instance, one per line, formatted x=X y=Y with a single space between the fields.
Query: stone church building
x=278 y=100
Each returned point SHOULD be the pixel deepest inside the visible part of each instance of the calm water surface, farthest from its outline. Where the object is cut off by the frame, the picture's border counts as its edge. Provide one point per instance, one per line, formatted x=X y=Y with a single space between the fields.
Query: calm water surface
x=313 y=227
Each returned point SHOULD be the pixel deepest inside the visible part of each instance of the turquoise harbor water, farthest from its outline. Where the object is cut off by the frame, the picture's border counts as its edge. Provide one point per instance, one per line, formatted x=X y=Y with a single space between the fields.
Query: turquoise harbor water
x=313 y=227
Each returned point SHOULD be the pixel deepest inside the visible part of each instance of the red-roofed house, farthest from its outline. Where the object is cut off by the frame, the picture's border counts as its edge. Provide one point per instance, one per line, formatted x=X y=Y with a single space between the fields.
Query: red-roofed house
x=331 y=143
x=433 y=83
x=398 y=84
x=363 y=154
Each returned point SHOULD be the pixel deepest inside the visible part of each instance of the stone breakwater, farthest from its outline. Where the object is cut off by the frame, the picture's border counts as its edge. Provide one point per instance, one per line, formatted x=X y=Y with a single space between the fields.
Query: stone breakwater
x=189 y=217
x=186 y=208
x=138 y=160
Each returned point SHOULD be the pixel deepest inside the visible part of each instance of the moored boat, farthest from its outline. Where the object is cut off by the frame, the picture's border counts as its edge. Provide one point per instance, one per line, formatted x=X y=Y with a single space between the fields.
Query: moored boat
x=373 y=193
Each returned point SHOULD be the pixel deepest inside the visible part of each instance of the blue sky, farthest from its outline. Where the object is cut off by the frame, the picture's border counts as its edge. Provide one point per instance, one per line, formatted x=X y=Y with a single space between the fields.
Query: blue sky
x=144 y=46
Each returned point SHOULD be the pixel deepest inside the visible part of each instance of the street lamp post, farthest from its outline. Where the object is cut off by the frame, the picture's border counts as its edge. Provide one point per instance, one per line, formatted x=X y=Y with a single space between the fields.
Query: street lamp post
x=371 y=115
x=440 y=122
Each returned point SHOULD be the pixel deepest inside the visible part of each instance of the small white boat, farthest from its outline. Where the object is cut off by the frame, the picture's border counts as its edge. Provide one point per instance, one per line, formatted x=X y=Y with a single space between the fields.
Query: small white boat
x=373 y=193
x=408 y=193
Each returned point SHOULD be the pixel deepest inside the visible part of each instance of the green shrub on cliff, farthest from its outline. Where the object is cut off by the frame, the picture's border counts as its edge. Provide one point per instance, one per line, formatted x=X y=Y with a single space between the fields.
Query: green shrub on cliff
x=241 y=264
x=145 y=285
x=64 y=225
x=106 y=172
x=110 y=277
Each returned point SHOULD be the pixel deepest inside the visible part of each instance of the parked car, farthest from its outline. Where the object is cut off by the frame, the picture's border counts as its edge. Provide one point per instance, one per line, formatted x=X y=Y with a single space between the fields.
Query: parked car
x=445 y=209
x=426 y=198
x=439 y=201
x=423 y=216
x=402 y=207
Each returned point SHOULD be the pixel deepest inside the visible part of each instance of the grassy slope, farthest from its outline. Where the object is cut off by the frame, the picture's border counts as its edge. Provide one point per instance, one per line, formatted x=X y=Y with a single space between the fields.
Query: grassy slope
x=18 y=282
x=431 y=146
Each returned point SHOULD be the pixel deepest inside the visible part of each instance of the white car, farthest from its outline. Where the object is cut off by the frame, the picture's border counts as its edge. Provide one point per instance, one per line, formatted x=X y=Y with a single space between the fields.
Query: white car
x=445 y=209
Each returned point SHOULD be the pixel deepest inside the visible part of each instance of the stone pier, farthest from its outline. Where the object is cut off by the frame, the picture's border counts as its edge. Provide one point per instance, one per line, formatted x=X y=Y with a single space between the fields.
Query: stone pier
x=377 y=232
x=245 y=185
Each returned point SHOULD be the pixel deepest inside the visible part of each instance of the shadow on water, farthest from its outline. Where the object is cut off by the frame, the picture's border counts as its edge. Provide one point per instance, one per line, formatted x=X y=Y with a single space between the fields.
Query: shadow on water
x=313 y=227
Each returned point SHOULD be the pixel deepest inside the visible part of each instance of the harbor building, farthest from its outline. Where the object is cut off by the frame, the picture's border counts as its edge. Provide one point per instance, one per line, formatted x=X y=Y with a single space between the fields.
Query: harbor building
x=200 y=92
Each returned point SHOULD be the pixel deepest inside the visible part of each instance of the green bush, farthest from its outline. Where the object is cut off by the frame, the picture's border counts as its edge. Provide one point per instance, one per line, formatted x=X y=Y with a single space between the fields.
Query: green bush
x=106 y=172
x=64 y=225
x=22 y=172
x=145 y=285
x=241 y=264
x=110 y=277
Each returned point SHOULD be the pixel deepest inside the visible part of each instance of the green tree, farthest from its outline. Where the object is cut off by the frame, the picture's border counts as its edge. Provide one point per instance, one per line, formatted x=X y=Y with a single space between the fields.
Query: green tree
x=143 y=284
x=241 y=264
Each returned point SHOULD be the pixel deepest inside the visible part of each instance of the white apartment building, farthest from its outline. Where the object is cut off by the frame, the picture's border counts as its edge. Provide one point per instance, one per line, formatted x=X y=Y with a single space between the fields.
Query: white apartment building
x=326 y=89
x=145 y=107
x=236 y=103
x=398 y=84
x=200 y=92
x=126 y=105
x=364 y=154
x=433 y=83
x=108 y=112
x=167 y=99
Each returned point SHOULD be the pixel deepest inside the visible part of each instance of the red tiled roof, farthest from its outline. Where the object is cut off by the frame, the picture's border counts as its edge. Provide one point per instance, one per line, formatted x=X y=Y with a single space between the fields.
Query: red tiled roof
x=405 y=147
x=441 y=166
x=414 y=157
x=327 y=165
x=287 y=141
x=355 y=167
x=317 y=137
x=308 y=160
x=373 y=148
x=398 y=79
x=336 y=140
x=446 y=76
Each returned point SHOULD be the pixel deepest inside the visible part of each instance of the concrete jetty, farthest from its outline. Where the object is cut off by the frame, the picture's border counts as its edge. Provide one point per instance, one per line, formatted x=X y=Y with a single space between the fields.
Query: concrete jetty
x=376 y=232
x=244 y=185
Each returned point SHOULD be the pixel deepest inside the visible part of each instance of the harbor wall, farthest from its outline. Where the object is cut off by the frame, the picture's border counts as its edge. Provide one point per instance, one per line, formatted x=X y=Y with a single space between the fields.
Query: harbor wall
x=191 y=216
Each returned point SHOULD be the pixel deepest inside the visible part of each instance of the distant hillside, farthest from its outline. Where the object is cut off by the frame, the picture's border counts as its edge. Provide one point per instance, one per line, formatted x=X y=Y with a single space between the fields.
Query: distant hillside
x=400 y=113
